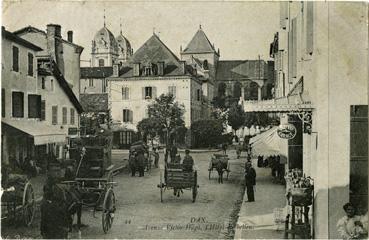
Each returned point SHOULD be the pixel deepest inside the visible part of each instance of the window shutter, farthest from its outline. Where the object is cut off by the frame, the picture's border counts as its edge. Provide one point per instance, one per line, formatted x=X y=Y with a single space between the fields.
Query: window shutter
x=43 y=110
x=15 y=59
x=127 y=92
x=18 y=104
x=65 y=117
x=3 y=102
x=309 y=27
x=153 y=92
x=143 y=92
x=72 y=116
x=55 y=115
x=131 y=116
x=30 y=64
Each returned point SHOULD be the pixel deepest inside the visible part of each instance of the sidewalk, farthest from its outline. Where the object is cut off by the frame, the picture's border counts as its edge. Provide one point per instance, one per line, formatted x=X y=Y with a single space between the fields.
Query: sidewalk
x=257 y=219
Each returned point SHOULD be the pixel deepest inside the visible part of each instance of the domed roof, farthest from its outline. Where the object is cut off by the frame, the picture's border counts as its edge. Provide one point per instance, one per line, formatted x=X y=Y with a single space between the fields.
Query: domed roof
x=105 y=38
x=123 y=42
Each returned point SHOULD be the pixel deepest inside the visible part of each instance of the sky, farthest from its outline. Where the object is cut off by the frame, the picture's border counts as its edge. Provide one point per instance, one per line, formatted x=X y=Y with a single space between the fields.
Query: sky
x=241 y=30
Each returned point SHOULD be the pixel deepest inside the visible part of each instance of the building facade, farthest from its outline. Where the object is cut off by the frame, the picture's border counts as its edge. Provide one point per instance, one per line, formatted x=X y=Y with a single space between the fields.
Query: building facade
x=38 y=105
x=321 y=68
x=152 y=71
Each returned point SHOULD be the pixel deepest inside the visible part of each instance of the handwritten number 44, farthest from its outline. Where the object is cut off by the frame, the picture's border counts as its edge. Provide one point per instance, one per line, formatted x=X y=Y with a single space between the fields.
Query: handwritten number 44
x=128 y=221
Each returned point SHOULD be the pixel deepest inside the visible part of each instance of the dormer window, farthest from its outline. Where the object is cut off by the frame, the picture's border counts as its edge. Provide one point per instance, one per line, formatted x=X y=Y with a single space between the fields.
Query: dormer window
x=148 y=71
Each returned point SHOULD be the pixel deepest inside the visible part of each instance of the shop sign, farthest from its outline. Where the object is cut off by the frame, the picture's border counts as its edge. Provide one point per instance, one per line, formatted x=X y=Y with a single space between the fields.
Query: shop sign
x=72 y=131
x=287 y=131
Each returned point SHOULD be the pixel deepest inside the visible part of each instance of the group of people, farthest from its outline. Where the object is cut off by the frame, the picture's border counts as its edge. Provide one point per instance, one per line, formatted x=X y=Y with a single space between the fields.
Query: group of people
x=353 y=225
x=276 y=164
x=137 y=162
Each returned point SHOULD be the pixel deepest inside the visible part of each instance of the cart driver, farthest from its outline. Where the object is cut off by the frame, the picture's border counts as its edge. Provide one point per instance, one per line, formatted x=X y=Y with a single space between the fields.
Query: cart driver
x=187 y=162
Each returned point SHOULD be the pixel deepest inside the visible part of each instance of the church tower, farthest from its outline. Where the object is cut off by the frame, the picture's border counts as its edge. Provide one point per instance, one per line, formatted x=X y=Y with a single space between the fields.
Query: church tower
x=201 y=52
x=125 y=50
x=104 y=48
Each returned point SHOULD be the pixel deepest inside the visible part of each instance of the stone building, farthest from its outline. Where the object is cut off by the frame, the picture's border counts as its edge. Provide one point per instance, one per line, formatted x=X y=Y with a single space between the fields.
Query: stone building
x=154 y=70
x=39 y=107
x=322 y=90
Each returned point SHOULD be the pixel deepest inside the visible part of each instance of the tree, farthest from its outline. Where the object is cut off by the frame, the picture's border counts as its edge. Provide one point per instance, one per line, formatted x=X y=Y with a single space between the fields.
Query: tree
x=148 y=127
x=207 y=132
x=236 y=116
x=167 y=114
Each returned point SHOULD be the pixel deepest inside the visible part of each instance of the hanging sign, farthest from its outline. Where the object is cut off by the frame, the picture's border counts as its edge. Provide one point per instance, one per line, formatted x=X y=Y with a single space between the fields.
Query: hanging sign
x=287 y=131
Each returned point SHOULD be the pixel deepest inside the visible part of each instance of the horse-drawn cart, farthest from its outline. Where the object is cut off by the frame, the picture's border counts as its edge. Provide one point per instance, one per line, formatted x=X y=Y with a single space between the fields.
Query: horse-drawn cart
x=177 y=179
x=214 y=161
x=93 y=182
x=17 y=200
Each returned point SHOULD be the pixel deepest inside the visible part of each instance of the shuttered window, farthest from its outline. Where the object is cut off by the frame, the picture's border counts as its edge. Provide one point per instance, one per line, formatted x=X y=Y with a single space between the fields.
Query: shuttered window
x=309 y=27
x=125 y=93
x=172 y=90
x=65 y=115
x=15 y=59
x=30 y=64
x=3 y=102
x=18 y=104
x=198 y=95
x=127 y=115
x=54 y=113
x=43 y=110
x=72 y=120
x=148 y=92
x=34 y=106
x=359 y=155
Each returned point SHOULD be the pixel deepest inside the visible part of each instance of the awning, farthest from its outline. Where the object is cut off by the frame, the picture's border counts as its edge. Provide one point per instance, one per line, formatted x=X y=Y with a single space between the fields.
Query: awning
x=41 y=132
x=275 y=106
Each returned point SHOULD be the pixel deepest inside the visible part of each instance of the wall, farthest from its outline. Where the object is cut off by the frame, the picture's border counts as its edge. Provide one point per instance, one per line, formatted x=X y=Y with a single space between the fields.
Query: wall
x=97 y=85
x=184 y=86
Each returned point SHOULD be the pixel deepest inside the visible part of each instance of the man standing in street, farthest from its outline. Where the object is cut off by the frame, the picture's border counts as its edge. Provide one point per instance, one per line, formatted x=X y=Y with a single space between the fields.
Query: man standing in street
x=141 y=162
x=250 y=179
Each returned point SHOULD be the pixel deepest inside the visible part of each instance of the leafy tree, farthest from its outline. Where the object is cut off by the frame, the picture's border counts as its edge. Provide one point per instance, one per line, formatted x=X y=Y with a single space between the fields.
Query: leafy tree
x=236 y=116
x=207 y=132
x=167 y=114
x=148 y=127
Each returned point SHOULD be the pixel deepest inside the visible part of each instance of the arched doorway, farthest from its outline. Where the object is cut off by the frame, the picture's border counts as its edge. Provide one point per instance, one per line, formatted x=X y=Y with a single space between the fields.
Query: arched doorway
x=251 y=91
x=237 y=87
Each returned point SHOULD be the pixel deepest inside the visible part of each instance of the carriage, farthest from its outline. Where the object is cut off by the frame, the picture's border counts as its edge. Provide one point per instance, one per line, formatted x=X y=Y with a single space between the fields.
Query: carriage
x=93 y=181
x=177 y=179
x=214 y=161
x=18 y=200
x=140 y=146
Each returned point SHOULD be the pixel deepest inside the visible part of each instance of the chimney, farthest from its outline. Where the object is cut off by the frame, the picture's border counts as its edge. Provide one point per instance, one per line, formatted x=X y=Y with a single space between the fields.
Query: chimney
x=136 y=69
x=70 y=36
x=161 y=68
x=115 y=70
x=54 y=30
x=183 y=66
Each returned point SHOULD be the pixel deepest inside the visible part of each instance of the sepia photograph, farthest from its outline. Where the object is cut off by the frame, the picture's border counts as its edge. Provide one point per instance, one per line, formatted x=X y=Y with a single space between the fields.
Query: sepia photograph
x=184 y=119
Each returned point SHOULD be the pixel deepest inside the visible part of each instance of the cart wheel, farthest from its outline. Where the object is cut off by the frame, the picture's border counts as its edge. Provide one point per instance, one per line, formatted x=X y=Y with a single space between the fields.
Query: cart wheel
x=194 y=188
x=28 y=204
x=108 y=210
x=161 y=186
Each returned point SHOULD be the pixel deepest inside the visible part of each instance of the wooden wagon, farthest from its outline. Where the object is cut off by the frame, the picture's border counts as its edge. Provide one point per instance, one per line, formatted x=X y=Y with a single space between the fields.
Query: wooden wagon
x=18 y=200
x=215 y=159
x=177 y=179
x=93 y=179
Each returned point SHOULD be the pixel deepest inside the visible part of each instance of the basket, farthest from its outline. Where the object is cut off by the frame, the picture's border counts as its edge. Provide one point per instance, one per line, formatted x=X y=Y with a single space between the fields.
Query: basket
x=301 y=196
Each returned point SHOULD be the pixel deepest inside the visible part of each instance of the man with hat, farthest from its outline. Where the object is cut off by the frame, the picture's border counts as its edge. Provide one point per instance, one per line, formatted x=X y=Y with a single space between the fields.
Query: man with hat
x=250 y=180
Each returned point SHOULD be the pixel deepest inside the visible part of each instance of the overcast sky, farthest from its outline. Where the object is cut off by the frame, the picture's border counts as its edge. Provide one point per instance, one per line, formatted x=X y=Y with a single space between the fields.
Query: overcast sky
x=241 y=30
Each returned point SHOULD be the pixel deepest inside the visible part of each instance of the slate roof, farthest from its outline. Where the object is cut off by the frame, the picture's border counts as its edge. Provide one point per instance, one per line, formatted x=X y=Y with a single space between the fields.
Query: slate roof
x=96 y=72
x=36 y=30
x=153 y=51
x=199 y=44
x=240 y=69
x=13 y=37
x=96 y=102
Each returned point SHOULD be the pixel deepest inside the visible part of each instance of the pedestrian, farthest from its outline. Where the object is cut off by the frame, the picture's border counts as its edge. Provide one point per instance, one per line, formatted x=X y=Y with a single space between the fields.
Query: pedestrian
x=352 y=226
x=188 y=162
x=141 y=162
x=238 y=151
x=173 y=153
x=54 y=219
x=132 y=162
x=156 y=157
x=220 y=169
x=224 y=147
x=250 y=180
